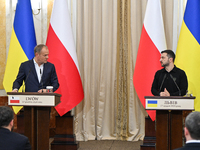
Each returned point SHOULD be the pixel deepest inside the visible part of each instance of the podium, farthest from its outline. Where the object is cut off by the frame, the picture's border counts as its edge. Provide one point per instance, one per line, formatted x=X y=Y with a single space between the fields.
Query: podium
x=37 y=108
x=170 y=114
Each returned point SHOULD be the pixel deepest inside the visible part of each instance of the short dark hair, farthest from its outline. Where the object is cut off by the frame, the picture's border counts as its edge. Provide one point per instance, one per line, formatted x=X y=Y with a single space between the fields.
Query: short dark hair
x=38 y=48
x=192 y=123
x=6 y=115
x=170 y=54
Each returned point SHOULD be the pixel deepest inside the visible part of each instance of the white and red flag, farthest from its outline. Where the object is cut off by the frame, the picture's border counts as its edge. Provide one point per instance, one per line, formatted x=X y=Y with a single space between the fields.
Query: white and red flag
x=62 y=53
x=152 y=42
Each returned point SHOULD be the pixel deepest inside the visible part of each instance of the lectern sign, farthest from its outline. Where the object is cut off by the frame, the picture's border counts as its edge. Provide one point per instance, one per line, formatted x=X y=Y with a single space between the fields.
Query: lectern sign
x=27 y=99
x=169 y=103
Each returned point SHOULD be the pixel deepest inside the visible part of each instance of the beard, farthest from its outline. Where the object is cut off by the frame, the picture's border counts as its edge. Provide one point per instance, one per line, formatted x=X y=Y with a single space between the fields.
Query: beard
x=165 y=64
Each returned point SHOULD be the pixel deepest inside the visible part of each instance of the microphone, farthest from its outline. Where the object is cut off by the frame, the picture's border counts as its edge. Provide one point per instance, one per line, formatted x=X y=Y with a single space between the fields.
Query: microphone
x=41 y=78
x=176 y=85
x=162 y=82
x=26 y=79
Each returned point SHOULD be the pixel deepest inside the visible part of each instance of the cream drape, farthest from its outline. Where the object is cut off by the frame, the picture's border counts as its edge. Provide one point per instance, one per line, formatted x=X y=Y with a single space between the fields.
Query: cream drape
x=96 y=115
x=96 y=45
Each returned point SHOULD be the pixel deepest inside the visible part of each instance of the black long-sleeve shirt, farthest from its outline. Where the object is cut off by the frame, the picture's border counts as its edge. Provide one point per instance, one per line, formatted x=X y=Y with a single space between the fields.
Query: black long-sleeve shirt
x=163 y=79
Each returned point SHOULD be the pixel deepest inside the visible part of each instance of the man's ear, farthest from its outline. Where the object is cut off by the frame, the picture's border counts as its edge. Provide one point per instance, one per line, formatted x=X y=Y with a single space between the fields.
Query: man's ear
x=11 y=123
x=36 y=54
x=186 y=132
x=171 y=59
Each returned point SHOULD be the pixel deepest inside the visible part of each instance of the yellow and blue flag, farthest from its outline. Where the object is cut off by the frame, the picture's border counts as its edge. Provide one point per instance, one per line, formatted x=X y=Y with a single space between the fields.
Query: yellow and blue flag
x=22 y=43
x=152 y=103
x=188 y=49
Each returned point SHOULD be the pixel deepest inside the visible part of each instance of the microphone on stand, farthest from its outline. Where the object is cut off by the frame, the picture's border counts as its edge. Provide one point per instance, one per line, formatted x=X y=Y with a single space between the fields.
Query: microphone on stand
x=26 y=79
x=176 y=85
x=162 y=82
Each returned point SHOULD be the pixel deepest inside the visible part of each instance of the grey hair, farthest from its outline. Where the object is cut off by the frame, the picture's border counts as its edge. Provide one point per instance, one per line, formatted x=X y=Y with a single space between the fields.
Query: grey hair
x=192 y=123
x=38 y=48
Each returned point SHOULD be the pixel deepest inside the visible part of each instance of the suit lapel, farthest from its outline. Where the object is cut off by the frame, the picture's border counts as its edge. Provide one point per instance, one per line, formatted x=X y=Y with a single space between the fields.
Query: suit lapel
x=44 y=70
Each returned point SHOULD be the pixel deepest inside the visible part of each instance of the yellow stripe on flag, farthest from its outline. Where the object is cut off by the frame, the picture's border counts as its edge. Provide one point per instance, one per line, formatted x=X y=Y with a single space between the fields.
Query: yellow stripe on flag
x=16 y=56
x=152 y=105
x=188 y=52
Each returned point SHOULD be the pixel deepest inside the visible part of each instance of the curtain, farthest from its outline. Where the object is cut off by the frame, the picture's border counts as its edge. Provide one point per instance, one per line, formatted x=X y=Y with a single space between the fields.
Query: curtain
x=106 y=51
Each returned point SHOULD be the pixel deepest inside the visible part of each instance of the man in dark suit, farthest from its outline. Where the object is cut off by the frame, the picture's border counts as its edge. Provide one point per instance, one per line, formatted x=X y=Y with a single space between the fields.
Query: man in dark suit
x=37 y=73
x=10 y=140
x=192 y=132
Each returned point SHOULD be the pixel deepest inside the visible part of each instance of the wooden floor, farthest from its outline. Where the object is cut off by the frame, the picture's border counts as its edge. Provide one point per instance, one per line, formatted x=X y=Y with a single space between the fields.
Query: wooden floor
x=106 y=145
x=109 y=145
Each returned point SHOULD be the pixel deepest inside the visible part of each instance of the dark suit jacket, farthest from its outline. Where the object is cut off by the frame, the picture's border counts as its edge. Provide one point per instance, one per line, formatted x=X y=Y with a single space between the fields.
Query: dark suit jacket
x=190 y=146
x=28 y=74
x=13 y=141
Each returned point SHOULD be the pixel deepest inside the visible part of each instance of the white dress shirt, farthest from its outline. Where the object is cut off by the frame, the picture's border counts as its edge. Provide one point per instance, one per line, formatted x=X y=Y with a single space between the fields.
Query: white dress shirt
x=39 y=70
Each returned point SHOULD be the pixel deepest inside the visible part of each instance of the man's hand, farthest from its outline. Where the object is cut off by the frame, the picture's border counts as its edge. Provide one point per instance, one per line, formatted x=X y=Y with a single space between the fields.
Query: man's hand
x=42 y=91
x=15 y=90
x=165 y=93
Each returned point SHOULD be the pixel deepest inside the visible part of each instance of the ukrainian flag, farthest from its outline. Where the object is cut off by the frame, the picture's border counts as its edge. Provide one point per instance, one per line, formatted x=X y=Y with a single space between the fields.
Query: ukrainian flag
x=22 y=44
x=152 y=103
x=188 y=49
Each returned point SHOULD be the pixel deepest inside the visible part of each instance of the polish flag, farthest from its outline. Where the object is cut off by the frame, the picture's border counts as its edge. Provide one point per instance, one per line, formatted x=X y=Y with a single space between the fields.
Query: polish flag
x=14 y=101
x=152 y=42
x=62 y=53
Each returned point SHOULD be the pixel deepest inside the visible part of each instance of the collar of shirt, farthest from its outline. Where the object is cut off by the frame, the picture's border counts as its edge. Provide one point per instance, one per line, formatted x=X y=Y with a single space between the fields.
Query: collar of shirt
x=173 y=70
x=39 y=70
x=193 y=141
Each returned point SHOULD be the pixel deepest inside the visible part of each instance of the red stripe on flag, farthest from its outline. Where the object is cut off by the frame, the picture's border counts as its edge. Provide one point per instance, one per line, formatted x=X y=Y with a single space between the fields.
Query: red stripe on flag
x=68 y=74
x=147 y=64
x=14 y=101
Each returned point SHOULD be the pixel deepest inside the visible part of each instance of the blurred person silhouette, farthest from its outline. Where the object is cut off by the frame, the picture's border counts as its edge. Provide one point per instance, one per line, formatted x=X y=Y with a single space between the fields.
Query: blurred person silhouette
x=192 y=132
x=10 y=140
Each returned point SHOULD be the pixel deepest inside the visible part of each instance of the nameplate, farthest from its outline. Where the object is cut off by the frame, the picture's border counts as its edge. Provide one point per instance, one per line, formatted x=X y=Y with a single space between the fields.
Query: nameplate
x=31 y=100
x=169 y=104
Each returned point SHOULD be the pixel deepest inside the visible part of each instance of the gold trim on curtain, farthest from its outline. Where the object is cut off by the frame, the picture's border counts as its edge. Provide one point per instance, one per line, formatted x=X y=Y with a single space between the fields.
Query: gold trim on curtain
x=123 y=68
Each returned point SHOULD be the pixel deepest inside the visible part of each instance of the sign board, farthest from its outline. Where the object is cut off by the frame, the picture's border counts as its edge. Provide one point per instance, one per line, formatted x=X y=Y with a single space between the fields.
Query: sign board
x=32 y=100
x=181 y=103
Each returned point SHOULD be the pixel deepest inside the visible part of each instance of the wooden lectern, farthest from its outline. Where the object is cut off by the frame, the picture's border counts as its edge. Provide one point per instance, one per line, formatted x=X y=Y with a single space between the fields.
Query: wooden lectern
x=37 y=108
x=170 y=112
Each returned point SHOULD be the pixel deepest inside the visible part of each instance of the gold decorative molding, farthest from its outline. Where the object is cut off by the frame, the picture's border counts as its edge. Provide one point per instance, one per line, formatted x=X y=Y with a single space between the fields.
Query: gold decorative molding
x=49 y=10
x=2 y=41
